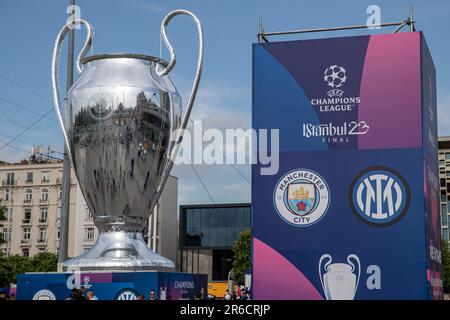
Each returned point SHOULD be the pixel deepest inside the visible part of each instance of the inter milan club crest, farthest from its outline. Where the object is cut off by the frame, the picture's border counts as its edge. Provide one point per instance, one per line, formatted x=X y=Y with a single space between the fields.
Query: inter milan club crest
x=301 y=197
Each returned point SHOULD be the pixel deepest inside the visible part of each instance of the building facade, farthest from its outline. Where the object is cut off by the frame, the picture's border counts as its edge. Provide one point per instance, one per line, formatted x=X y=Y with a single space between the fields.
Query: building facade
x=444 y=175
x=31 y=194
x=207 y=236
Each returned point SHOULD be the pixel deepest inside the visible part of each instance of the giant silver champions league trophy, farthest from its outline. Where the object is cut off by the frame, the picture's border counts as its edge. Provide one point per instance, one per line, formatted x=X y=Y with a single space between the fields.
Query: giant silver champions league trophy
x=122 y=124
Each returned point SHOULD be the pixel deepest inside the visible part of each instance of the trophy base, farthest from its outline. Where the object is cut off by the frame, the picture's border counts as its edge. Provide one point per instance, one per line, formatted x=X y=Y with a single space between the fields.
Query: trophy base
x=119 y=251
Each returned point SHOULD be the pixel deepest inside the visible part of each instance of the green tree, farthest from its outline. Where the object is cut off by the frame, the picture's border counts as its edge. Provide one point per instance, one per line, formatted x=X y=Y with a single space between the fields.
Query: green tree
x=11 y=266
x=44 y=262
x=445 y=266
x=242 y=255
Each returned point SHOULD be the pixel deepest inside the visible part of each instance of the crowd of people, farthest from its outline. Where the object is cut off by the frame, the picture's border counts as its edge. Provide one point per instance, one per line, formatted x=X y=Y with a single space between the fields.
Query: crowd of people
x=6 y=296
x=82 y=294
x=240 y=293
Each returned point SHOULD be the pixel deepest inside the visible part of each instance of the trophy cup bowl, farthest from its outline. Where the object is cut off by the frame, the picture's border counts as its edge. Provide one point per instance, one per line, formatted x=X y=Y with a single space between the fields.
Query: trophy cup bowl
x=339 y=282
x=122 y=125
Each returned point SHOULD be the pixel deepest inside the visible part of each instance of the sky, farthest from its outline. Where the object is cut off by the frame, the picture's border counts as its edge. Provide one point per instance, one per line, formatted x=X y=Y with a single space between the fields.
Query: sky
x=28 y=30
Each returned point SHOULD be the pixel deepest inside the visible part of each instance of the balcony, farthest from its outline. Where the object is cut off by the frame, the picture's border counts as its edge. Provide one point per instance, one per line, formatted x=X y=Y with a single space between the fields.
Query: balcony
x=41 y=242
x=43 y=221
x=43 y=200
x=25 y=241
x=9 y=183
x=45 y=180
x=26 y=221
x=28 y=181
x=28 y=201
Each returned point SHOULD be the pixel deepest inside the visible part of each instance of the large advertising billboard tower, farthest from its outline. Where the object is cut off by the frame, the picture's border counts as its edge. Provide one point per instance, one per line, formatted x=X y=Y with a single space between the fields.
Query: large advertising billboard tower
x=353 y=211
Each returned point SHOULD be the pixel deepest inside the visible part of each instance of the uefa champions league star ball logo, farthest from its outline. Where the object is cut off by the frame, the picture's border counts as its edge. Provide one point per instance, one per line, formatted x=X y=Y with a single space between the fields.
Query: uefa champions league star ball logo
x=301 y=197
x=335 y=76
x=379 y=196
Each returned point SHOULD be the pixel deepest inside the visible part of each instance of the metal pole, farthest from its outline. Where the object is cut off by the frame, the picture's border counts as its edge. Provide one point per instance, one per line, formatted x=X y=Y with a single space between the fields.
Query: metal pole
x=262 y=35
x=411 y=18
x=64 y=222
x=260 y=30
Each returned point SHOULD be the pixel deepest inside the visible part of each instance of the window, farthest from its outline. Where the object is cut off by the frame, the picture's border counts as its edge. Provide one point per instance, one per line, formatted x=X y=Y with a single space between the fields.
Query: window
x=6 y=234
x=89 y=233
x=86 y=248
x=447 y=173
x=42 y=234
x=447 y=156
x=44 y=215
x=59 y=213
x=58 y=233
x=45 y=176
x=27 y=216
x=8 y=214
x=7 y=194
x=26 y=252
x=42 y=250
x=10 y=179
x=44 y=195
x=26 y=234
x=444 y=214
x=29 y=177
x=442 y=162
x=60 y=193
x=213 y=226
x=445 y=234
x=87 y=213
x=28 y=195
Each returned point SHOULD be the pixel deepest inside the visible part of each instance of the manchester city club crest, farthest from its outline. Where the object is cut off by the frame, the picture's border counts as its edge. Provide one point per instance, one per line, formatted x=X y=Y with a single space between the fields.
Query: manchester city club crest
x=301 y=197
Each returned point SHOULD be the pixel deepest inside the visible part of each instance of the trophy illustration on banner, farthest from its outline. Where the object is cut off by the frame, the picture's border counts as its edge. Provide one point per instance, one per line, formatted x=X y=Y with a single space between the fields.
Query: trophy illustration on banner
x=122 y=125
x=339 y=282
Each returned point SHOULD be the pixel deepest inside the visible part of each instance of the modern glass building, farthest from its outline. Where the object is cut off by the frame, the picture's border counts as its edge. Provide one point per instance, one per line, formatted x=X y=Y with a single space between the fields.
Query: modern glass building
x=444 y=175
x=207 y=235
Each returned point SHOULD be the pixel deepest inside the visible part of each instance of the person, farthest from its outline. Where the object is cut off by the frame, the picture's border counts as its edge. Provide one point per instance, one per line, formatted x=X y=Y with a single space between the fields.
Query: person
x=227 y=295
x=75 y=295
x=3 y=295
x=152 y=295
x=83 y=292
x=91 y=296
x=238 y=293
x=140 y=297
x=163 y=293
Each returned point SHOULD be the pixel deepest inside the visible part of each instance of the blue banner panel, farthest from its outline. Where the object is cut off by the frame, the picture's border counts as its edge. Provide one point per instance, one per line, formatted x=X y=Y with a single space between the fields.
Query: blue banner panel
x=111 y=285
x=350 y=214
x=431 y=172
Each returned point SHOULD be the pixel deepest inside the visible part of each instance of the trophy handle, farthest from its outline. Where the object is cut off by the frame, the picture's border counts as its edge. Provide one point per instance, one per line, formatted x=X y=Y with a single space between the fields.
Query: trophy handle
x=353 y=267
x=173 y=60
x=55 y=68
x=323 y=257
